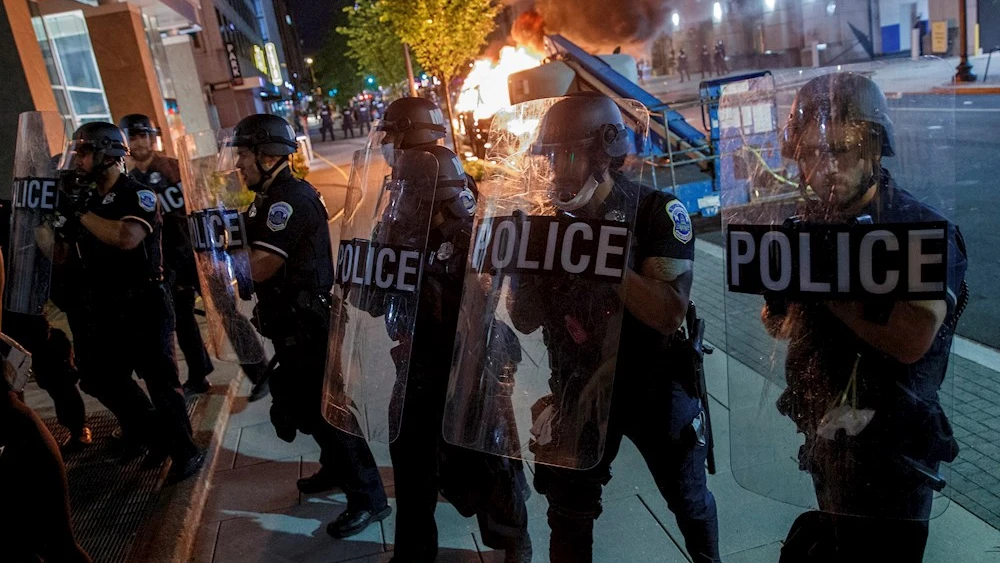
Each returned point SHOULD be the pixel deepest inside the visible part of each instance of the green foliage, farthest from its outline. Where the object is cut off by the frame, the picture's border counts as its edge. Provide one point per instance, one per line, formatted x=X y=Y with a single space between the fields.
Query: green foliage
x=444 y=35
x=333 y=68
x=372 y=43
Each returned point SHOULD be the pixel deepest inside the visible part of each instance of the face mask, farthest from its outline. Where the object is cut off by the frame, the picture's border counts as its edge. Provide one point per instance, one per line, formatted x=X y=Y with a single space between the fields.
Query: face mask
x=580 y=199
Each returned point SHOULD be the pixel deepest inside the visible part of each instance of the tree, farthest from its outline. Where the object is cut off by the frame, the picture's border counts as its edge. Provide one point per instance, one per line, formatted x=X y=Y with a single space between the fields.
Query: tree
x=372 y=43
x=335 y=71
x=444 y=35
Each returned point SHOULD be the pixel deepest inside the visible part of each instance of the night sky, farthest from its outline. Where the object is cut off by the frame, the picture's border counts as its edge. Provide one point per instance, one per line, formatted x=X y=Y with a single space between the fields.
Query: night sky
x=314 y=20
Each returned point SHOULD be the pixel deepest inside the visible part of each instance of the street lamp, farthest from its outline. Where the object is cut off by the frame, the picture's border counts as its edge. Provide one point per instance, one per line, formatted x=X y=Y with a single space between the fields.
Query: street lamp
x=964 y=69
x=312 y=74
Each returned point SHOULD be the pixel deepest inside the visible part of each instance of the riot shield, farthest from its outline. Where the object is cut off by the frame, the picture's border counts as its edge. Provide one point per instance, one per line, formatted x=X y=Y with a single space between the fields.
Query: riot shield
x=16 y=361
x=843 y=271
x=215 y=197
x=40 y=139
x=379 y=265
x=542 y=306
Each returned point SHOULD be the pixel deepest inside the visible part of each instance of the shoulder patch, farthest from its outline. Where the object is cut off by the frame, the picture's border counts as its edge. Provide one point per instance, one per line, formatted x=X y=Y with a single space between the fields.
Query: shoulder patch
x=278 y=215
x=147 y=200
x=468 y=201
x=683 y=231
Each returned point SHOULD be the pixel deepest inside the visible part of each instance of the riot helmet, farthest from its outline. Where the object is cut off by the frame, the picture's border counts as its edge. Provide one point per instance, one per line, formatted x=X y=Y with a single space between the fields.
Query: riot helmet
x=410 y=122
x=103 y=141
x=142 y=134
x=452 y=190
x=581 y=136
x=264 y=135
x=838 y=131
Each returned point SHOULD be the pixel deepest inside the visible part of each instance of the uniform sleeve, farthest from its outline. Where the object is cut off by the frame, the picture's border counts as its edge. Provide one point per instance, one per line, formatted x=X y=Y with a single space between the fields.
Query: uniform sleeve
x=140 y=205
x=665 y=229
x=286 y=221
x=957 y=264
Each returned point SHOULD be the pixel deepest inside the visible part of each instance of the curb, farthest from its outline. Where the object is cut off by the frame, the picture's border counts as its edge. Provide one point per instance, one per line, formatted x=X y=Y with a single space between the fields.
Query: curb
x=966 y=90
x=169 y=535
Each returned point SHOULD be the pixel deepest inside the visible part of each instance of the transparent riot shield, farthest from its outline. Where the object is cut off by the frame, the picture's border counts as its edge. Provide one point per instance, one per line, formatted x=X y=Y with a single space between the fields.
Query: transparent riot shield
x=843 y=274
x=379 y=265
x=40 y=139
x=542 y=305
x=215 y=198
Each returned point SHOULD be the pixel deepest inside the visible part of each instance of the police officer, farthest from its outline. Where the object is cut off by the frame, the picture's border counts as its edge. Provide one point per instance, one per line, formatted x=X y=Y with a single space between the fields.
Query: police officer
x=492 y=488
x=34 y=484
x=873 y=484
x=112 y=227
x=292 y=267
x=152 y=168
x=651 y=403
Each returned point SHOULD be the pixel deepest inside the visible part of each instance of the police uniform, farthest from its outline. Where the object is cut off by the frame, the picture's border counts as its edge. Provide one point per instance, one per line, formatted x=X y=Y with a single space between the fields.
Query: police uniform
x=38 y=525
x=865 y=476
x=290 y=219
x=164 y=177
x=127 y=324
x=490 y=487
x=52 y=365
x=650 y=404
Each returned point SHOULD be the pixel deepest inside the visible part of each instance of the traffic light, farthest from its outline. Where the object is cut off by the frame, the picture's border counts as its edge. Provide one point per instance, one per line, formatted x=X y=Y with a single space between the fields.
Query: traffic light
x=370 y=80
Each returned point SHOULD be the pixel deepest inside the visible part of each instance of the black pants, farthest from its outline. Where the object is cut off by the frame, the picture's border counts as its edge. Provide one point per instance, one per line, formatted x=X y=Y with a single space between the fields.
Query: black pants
x=327 y=128
x=348 y=131
x=297 y=393
x=501 y=513
x=122 y=334
x=52 y=364
x=189 y=334
x=874 y=508
x=35 y=494
x=670 y=448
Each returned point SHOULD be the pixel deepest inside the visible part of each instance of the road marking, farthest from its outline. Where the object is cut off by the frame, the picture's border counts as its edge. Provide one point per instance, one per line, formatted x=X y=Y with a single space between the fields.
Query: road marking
x=949 y=110
x=935 y=127
x=337 y=168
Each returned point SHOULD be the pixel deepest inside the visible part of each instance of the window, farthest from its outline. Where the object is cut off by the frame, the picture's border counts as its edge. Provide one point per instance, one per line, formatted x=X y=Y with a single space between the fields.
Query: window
x=69 y=60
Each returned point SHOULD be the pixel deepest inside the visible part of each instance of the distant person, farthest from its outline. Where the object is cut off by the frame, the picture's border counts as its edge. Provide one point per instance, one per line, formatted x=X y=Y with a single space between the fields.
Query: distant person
x=682 y=66
x=363 y=117
x=721 y=68
x=326 y=123
x=347 y=123
x=706 y=62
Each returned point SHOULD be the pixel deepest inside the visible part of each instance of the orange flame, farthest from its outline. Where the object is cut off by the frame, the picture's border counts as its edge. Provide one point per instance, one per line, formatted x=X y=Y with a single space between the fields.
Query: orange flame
x=485 y=89
x=529 y=30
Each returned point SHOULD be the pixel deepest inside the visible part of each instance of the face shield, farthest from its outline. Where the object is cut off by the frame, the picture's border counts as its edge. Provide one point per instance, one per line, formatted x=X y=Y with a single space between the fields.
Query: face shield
x=574 y=172
x=837 y=162
x=78 y=158
x=143 y=140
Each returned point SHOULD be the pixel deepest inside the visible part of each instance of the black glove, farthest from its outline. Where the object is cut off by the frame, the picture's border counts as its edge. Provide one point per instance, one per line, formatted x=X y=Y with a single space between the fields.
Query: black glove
x=69 y=209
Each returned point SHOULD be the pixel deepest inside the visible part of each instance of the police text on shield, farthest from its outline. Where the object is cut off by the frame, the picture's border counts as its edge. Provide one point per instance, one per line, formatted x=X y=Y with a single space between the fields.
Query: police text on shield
x=546 y=245
x=897 y=260
x=387 y=267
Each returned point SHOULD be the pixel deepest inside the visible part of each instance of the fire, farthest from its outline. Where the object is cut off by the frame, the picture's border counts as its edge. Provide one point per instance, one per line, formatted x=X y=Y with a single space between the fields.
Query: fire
x=485 y=90
x=529 y=29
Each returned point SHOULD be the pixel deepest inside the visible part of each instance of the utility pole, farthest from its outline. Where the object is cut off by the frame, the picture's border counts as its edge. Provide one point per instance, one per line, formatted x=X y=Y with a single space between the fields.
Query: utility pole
x=409 y=71
x=964 y=69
